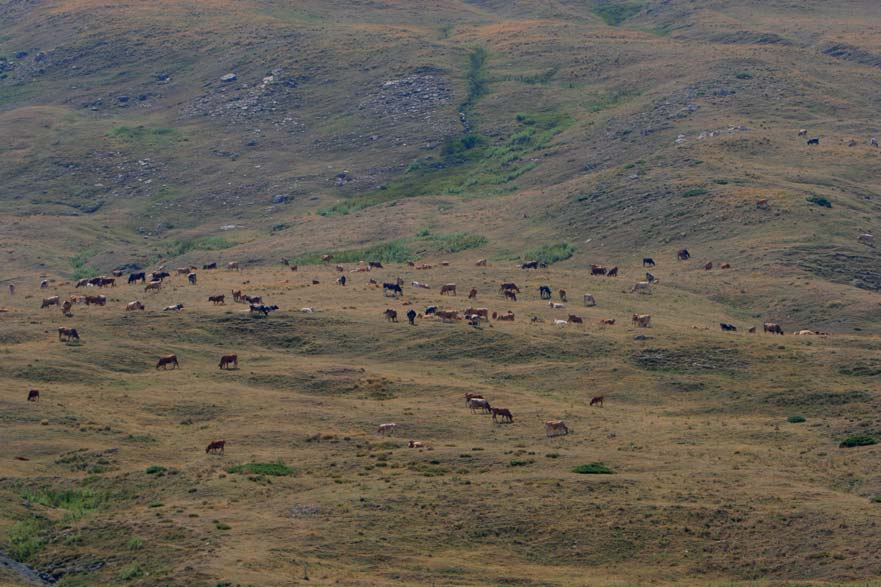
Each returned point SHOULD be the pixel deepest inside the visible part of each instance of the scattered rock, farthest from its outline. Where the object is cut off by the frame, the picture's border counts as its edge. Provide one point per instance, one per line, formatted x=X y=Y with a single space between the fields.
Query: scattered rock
x=230 y=77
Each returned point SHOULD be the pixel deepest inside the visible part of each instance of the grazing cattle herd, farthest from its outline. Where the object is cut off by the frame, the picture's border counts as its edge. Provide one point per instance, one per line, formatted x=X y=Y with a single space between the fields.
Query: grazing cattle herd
x=475 y=316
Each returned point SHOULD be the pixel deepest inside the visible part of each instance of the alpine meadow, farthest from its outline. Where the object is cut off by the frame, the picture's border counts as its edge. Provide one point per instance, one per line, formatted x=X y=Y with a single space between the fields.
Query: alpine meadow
x=449 y=293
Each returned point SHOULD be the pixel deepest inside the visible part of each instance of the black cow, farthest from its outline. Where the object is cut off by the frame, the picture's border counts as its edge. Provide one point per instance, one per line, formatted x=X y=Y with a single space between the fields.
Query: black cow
x=545 y=292
x=395 y=288
x=411 y=316
x=430 y=310
x=728 y=327
x=134 y=277
x=159 y=275
x=263 y=309
x=375 y=265
x=209 y=266
x=341 y=280
x=529 y=265
x=648 y=262
x=814 y=141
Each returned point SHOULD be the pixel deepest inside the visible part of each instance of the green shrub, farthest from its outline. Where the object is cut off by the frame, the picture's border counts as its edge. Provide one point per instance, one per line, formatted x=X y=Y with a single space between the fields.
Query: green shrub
x=454 y=242
x=27 y=538
x=135 y=543
x=858 y=440
x=819 y=201
x=153 y=469
x=795 y=419
x=277 y=468
x=694 y=192
x=131 y=571
x=593 y=469
x=518 y=463
x=549 y=253
x=76 y=501
x=616 y=13
x=390 y=252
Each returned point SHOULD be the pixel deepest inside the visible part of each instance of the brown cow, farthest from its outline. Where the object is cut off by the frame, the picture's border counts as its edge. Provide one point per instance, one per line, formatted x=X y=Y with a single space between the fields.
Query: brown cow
x=509 y=286
x=479 y=404
x=607 y=322
x=53 y=301
x=167 y=360
x=597 y=401
x=613 y=272
x=481 y=263
x=725 y=266
x=642 y=320
x=752 y=330
x=135 y=305
x=447 y=315
x=683 y=254
x=503 y=414
x=65 y=308
x=227 y=360
x=340 y=268
x=472 y=295
x=216 y=446
x=183 y=270
x=237 y=295
x=233 y=266
x=598 y=270
x=772 y=328
x=391 y=315
x=70 y=333
x=97 y=300
x=482 y=312
x=448 y=288
x=327 y=258
x=510 y=295
x=556 y=428
x=153 y=286
x=708 y=266
x=576 y=319
x=218 y=299
x=762 y=204
x=34 y=395
x=507 y=317
x=469 y=396
x=563 y=295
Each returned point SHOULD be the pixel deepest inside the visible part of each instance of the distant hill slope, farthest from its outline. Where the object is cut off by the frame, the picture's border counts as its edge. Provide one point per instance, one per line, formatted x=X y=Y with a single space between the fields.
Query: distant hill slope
x=625 y=129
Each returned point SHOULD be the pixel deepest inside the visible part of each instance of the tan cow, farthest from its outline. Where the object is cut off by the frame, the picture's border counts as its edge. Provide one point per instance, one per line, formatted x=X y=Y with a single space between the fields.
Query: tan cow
x=556 y=428
x=642 y=320
x=153 y=286
x=53 y=301
x=387 y=429
x=481 y=263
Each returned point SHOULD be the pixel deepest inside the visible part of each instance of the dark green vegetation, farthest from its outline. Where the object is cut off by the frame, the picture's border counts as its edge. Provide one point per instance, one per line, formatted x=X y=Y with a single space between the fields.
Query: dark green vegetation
x=858 y=440
x=275 y=469
x=593 y=469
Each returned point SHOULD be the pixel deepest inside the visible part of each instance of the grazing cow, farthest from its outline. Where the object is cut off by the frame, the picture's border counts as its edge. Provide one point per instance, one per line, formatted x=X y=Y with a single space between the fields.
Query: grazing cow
x=447 y=315
x=481 y=263
x=96 y=300
x=386 y=429
x=563 y=295
x=502 y=415
x=227 y=360
x=762 y=205
x=802 y=132
x=232 y=266
x=470 y=396
x=529 y=265
x=725 y=266
x=191 y=277
x=642 y=320
x=68 y=334
x=44 y=284
x=482 y=312
x=727 y=327
x=852 y=143
x=506 y=317
x=252 y=299
x=82 y=283
x=642 y=286
x=576 y=319
x=598 y=270
x=607 y=322
x=613 y=272
x=65 y=308
x=140 y=276
x=510 y=295
x=479 y=404
x=560 y=323
x=293 y=267
x=327 y=258
x=814 y=141
x=340 y=268
x=174 y=308
x=218 y=299
x=423 y=266
x=167 y=360
x=544 y=292
x=33 y=395
x=415 y=444
x=429 y=310
x=556 y=428
x=183 y=270
x=375 y=264
x=135 y=305
x=411 y=317
x=708 y=266
x=216 y=447
x=262 y=309
x=159 y=275
x=420 y=285
x=391 y=315
x=209 y=266
x=341 y=280
x=508 y=285
x=556 y=306
x=772 y=328
x=238 y=296
x=392 y=287
x=589 y=300
x=53 y=301
x=648 y=262
x=683 y=255
x=117 y=272
x=873 y=142
x=752 y=330
x=597 y=401
x=448 y=288
x=650 y=277
x=472 y=295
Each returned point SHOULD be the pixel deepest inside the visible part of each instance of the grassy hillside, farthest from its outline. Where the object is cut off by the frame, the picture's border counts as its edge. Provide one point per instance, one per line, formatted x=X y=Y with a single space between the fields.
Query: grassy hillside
x=575 y=133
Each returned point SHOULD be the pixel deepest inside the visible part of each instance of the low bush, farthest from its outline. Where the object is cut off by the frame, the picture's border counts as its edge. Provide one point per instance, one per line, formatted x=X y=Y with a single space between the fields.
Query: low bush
x=593 y=469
